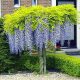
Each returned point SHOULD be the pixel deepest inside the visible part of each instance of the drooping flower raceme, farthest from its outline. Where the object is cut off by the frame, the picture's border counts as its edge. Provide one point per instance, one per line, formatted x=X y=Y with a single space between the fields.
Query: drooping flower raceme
x=26 y=39
x=35 y=26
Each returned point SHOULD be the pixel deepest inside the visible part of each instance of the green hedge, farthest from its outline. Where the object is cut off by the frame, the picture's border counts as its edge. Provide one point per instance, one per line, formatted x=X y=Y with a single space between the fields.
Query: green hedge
x=65 y=63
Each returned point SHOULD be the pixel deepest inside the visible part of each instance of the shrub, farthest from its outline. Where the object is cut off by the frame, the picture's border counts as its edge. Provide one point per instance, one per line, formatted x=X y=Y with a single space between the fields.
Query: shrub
x=5 y=62
x=28 y=62
x=14 y=63
x=65 y=63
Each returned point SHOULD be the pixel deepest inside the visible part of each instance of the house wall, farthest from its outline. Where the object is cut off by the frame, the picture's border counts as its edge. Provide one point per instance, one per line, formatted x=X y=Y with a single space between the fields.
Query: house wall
x=26 y=3
x=7 y=6
x=44 y=2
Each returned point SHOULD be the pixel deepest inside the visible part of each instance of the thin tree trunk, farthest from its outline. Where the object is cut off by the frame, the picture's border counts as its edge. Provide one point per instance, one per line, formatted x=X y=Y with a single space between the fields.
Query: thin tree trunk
x=42 y=58
x=41 y=61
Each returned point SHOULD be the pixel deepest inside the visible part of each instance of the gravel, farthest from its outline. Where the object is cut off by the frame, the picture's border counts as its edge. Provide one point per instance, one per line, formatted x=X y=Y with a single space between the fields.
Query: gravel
x=32 y=76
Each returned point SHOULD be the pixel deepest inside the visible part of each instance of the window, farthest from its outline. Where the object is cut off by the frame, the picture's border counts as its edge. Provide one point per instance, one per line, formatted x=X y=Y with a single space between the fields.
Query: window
x=16 y=3
x=65 y=2
x=34 y=2
x=60 y=2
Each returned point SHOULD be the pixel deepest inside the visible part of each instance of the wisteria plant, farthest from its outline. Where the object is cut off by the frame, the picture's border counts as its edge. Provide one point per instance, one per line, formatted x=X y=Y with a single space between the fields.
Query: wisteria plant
x=33 y=26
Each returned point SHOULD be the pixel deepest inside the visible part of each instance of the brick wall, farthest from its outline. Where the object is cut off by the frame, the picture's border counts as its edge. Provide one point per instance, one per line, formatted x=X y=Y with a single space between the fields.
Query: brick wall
x=44 y=2
x=7 y=6
x=26 y=2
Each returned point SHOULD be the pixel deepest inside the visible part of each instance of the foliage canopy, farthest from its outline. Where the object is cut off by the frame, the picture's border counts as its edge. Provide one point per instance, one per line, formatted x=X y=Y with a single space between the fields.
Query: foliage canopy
x=37 y=14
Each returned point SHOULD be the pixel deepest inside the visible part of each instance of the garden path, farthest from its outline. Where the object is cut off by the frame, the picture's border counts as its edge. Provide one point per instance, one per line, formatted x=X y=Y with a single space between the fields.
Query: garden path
x=31 y=76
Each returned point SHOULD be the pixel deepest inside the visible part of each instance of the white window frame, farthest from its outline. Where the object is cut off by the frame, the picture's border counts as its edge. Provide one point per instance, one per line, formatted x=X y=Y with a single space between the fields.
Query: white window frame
x=53 y=2
x=0 y=8
x=34 y=4
x=17 y=5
